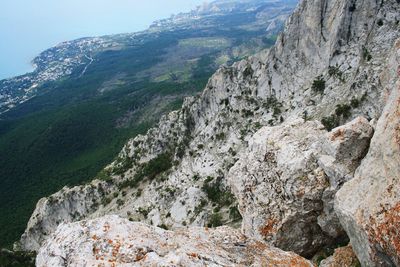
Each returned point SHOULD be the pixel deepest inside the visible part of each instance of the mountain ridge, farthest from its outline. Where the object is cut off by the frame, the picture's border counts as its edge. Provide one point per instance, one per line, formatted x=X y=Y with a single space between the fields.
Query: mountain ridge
x=334 y=65
x=58 y=62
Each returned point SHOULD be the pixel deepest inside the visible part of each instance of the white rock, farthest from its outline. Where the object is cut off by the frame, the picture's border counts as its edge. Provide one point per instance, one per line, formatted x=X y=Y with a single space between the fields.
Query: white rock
x=369 y=205
x=279 y=186
x=342 y=151
x=113 y=241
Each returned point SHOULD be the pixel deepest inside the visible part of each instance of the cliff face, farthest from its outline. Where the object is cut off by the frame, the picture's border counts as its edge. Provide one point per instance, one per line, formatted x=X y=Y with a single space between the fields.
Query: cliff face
x=369 y=205
x=248 y=131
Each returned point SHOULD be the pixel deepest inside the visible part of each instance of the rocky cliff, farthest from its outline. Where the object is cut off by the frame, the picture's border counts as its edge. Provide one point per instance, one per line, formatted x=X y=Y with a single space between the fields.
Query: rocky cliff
x=262 y=135
x=369 y=205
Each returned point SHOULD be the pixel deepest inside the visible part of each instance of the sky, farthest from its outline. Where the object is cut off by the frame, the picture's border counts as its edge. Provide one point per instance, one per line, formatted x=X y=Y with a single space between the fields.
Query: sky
x=27 y=27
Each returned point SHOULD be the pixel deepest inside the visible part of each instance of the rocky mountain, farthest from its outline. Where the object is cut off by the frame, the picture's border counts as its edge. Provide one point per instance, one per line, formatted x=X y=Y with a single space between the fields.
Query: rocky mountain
x=75 y=57
x=61 y=124
x=297 y=144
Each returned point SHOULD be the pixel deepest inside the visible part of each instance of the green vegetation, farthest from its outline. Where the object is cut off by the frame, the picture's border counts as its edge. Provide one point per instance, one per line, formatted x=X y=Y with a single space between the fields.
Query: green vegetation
x=355 y=103
x=66 y=135
x=196 y=177
x=163 y=226
x=248 y=72
x=342 y=112
x=215 y=220
x=305 y=115
x=366 y=54
x=330 y=122
x=122 y=165
x=335 y=72
x=318 y=85
x=150 y=170
x=220 y=136
x=144 y=211
x=198 y=209
x=206 y=42
x=104 y=176
x=234 y=214
x=16 y=259
x=216 y=193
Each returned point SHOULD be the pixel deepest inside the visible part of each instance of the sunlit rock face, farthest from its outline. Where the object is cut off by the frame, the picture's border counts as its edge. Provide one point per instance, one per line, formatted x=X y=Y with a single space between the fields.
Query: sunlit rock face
x=369 y=205
x=279 y=186
x=286 y=180
x=113 y=241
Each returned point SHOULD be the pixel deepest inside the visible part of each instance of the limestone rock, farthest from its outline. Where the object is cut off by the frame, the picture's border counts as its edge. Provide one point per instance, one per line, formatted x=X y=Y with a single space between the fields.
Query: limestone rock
x=369 y=205
x=286 y=180
x=342 y=151
x=338 y=41
x=52 y=211
x=279 y=186
x=348 y=144
x=113 y=241
x=343 y=257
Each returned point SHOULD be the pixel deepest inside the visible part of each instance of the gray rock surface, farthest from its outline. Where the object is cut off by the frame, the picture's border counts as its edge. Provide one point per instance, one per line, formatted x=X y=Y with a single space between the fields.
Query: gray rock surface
x=369 y=205
x=342 y=151
x=113 y=241
x=286 y=180
x=279 y=186
x=347 y=44
x=81 y=200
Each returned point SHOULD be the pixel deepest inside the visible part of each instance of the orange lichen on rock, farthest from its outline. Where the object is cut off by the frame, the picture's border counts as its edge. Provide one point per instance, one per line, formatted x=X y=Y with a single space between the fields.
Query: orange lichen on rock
x=343 y=257
x=193 y=255
x=386 y=232
x=96 y=251
x=115 y=250
x=141 y=254
x=397 y=135
x=337 y=134
x=294 y=261
x=268 y=228
x=258 y=246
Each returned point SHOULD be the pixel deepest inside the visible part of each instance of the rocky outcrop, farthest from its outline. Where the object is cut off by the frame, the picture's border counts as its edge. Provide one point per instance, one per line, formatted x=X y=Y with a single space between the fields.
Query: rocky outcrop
x=52 y=211
x=369 y=205
x=342 y=151
x=279 y=186
x=328 y=65
x=113 y=241
x=286 y=180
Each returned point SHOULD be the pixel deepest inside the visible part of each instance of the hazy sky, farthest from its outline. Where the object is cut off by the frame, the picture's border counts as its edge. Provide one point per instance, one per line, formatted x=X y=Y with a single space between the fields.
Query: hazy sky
x=28 y=27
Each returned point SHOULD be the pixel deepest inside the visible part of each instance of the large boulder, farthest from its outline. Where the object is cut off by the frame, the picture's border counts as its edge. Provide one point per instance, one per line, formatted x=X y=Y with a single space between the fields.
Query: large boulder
x=286 y=181
x=113 y=241
x=369 y=205
x=279 y=186
x=342 y=151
